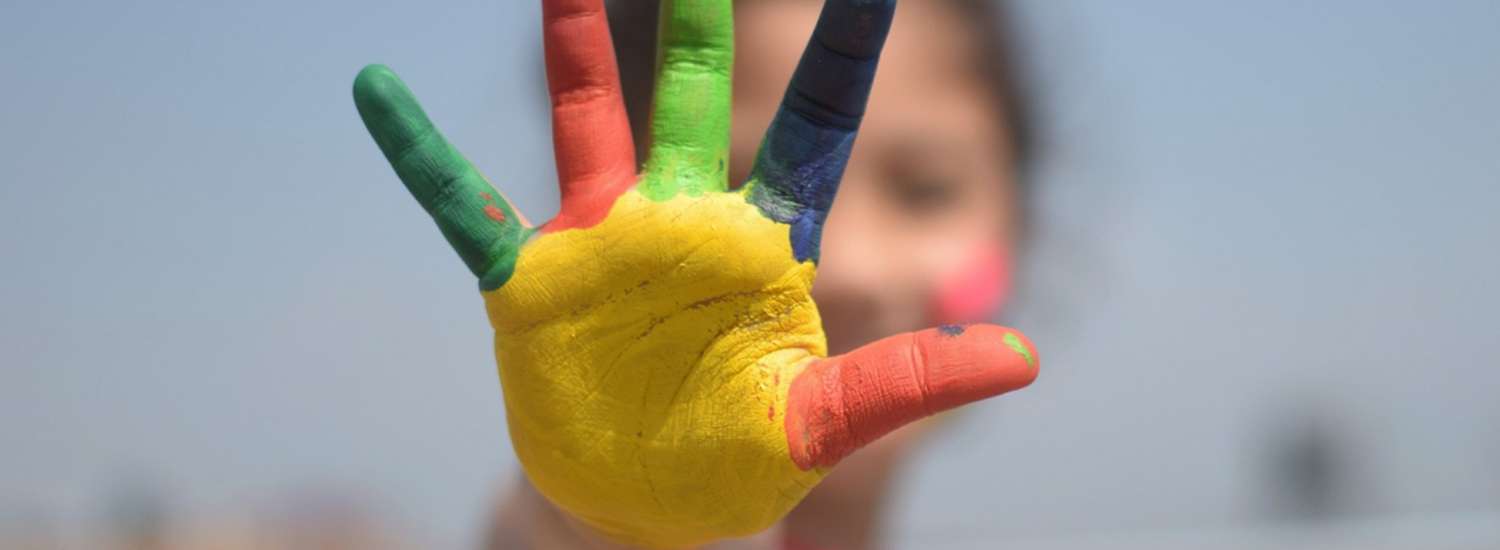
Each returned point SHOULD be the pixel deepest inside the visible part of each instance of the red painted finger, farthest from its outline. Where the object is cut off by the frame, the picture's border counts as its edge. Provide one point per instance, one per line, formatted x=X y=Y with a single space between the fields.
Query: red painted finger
x=590 y=130
x=843 y=403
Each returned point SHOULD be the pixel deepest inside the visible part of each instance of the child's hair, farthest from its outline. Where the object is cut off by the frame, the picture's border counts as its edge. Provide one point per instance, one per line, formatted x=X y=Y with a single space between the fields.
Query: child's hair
x=634 y=25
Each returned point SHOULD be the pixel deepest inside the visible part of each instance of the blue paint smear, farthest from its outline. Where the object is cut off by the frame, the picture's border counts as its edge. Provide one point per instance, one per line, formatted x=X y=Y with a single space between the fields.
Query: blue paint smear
x=797 y=175
x=806 y=149
x=952 y=331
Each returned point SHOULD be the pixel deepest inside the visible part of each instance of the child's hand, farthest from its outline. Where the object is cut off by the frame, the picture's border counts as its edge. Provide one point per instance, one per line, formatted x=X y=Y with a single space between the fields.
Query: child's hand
x=661 y=356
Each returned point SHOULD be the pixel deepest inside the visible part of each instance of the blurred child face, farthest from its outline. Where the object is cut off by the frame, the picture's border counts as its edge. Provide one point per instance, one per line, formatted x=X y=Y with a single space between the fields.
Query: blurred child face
x=921 y=229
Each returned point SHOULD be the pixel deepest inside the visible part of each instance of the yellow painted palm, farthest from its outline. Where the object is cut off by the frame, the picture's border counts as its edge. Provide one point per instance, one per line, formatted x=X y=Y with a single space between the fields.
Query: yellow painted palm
x=662 y=359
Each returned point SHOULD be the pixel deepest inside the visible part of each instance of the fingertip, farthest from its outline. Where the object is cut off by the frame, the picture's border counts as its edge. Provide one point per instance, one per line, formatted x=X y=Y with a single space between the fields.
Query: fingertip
x=383 y=102
x=967 y=363
x=371 y=80
x=372 y=71
x=1022 y=346
x=856 y=28
x=1020 y=357
x=390 y=112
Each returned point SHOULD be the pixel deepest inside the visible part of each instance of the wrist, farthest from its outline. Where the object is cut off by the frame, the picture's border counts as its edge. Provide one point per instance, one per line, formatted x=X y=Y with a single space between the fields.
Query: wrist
x=527 y=520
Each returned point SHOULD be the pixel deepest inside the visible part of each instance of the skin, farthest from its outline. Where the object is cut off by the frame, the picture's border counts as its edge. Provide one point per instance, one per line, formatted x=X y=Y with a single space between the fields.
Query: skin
x=665 y=371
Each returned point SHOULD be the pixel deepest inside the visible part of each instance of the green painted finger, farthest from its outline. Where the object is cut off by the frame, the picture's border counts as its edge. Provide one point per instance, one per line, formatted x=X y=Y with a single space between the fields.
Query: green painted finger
x=691 y=110
x=478 y=222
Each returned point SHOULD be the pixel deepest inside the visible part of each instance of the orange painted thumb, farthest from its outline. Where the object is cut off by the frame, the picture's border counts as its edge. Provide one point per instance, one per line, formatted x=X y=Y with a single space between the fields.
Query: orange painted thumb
x=843 y=403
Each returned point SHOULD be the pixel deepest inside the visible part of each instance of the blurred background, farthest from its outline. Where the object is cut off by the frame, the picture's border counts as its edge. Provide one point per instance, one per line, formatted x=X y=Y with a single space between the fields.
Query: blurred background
x=1264 y=280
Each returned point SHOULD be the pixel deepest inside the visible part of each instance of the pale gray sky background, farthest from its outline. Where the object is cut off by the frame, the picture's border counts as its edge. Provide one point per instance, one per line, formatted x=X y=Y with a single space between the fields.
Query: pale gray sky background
x=1259 y=219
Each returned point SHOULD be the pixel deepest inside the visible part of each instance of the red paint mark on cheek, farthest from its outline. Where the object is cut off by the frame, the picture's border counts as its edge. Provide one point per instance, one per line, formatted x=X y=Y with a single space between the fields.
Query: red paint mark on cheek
x=487 y=197
x=495 y=213
x=771 y=414
x=976 y=291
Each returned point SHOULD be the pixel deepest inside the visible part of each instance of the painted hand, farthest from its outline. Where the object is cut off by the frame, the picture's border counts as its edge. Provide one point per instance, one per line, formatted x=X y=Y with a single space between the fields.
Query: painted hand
x=661 y=356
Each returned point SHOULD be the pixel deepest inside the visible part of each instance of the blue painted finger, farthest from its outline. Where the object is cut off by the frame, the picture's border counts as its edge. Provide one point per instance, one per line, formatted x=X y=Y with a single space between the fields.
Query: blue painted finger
x=802 y=159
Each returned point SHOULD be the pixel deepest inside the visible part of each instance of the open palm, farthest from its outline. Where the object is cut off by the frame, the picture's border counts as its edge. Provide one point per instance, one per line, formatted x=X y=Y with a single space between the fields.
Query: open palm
x=661 y=355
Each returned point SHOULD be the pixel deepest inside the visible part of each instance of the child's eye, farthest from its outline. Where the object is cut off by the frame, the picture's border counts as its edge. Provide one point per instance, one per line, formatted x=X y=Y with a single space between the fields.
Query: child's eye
x=926 y=195
x=925 y=177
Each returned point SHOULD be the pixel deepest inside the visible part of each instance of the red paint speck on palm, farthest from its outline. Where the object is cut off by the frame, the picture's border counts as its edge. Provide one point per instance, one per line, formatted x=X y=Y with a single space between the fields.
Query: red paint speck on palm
x=495 y=213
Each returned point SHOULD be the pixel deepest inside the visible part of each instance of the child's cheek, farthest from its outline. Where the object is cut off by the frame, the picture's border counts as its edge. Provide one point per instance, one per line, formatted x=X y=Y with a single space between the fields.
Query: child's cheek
x=976 y=291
